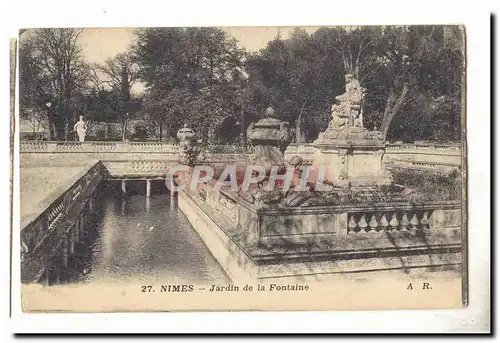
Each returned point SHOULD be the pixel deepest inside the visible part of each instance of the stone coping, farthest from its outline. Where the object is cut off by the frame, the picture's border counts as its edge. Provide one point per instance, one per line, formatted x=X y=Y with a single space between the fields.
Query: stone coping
x=265 y=257
x=453 y=204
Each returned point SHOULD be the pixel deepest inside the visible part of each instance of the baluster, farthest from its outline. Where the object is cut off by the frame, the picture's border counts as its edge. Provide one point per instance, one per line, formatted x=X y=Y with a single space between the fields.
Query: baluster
x=425 y=221
x=383 y=222
x=362 y=223
x=404 y=222
x=394 y=222
x=373 y=223
x=414 y=221
x=352 y=225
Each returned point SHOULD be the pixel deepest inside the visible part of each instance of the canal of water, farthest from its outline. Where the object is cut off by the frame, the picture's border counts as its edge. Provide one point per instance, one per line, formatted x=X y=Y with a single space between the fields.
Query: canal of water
x=142 y=239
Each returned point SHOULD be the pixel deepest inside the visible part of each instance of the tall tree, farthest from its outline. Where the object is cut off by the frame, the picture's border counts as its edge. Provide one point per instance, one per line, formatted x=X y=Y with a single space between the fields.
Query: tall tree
x=54 y=59
x=120 y=74
x=196 y=64
x=298 y=78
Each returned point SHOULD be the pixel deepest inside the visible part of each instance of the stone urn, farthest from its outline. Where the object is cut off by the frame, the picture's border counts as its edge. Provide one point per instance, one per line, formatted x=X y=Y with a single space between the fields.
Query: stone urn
x=270 y=138
x=188 y=146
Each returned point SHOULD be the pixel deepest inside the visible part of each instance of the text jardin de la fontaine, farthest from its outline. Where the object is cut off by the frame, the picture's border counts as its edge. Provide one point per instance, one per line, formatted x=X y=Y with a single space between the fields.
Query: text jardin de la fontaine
x=229 y=288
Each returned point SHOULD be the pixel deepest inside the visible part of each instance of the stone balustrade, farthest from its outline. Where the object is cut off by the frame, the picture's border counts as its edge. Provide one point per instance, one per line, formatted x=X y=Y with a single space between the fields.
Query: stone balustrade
x=118 y=168
x=424 y=156
x=293 y=149
x=263 y=225
x=228 y=149
x=42 y=236
x=418 y=155
x=345 y=220
x=404 y=218
x=40 y=146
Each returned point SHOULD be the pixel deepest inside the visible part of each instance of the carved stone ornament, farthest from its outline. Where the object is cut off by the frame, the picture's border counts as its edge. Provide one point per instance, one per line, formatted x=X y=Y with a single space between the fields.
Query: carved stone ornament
x=347 y=116
x=188 y=146
x=270 y=137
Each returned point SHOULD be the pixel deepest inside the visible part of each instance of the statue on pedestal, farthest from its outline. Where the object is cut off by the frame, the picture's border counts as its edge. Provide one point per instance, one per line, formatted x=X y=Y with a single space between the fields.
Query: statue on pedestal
x=81 y=129
x=352 y=154
x=347 y=115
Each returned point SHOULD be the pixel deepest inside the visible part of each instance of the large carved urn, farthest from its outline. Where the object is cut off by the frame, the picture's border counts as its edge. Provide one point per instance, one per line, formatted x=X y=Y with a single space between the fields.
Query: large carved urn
x=188 y=146
x=270 y=138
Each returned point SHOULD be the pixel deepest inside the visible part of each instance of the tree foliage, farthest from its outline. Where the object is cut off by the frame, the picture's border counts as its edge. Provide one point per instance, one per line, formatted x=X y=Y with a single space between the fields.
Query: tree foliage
x=52 y=70
x=413 y=76
x=191 y=76
x=119 y=75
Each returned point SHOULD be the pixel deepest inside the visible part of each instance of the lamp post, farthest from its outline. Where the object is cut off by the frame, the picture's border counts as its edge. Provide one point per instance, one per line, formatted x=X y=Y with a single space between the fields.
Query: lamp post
x=49 y=136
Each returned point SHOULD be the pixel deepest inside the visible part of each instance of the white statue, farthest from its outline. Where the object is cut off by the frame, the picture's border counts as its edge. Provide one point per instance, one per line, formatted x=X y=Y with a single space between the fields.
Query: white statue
x=81 y=129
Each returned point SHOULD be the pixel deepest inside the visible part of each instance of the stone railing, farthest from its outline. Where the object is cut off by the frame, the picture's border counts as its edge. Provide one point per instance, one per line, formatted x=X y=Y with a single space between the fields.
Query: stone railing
x=227 y=149
x=418 y=155
x=117 y=168
x=424 y=146
x=426 y=156
x=297 y=223
x=394 y=164
x=402 y=218
x=46 y=225
x=89 y=147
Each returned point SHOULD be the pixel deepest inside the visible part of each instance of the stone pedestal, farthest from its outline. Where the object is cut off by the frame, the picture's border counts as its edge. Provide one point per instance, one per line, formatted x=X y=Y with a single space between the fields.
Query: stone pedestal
x=352 y=164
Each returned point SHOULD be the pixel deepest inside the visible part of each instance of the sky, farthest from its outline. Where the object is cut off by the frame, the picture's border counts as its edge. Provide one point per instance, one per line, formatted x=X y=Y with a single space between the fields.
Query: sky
x=100 y=44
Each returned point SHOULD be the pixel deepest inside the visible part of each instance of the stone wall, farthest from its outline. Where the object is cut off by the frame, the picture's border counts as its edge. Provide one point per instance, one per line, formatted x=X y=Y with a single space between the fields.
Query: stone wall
x=323 y=240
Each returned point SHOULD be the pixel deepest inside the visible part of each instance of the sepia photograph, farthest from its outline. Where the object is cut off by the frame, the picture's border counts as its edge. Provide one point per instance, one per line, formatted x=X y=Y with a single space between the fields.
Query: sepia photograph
x=242 y=168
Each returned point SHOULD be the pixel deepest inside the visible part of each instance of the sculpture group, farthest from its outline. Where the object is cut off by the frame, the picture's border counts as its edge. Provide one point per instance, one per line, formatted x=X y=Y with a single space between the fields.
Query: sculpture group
x=347 y=115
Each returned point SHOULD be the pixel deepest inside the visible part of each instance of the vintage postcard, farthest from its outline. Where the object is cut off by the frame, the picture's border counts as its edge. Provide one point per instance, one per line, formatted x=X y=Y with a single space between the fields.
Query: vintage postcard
x=242 y=168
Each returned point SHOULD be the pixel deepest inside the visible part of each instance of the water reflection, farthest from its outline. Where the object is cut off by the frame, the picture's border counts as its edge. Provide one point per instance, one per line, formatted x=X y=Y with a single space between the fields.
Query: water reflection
x=141 y=238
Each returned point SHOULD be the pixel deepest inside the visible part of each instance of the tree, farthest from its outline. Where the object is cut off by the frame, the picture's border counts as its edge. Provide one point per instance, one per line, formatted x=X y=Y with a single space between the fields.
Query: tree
x=120 y=74
x=52 y=70
x=31 y=88
x=188 y=73
x=418 y=74
x=297 y=77
x=353 y=45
